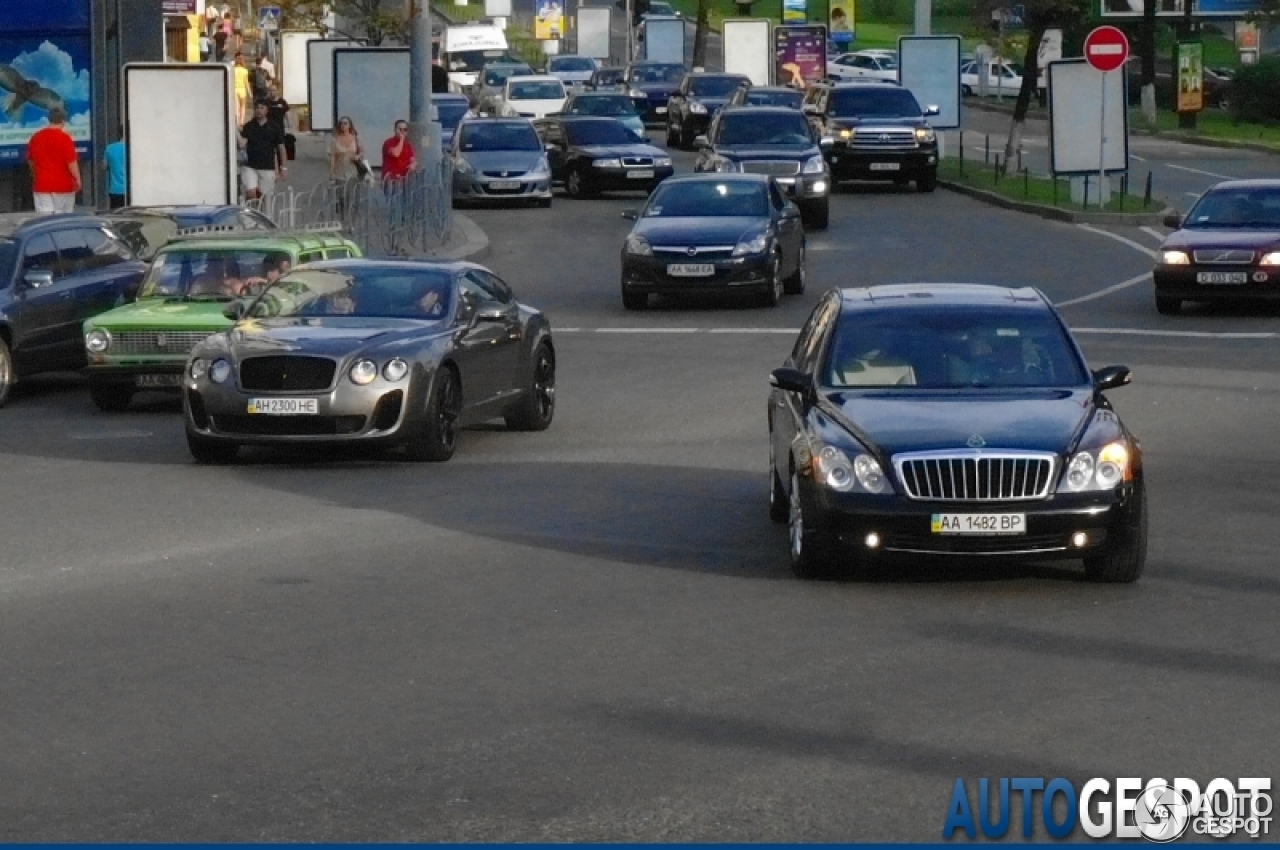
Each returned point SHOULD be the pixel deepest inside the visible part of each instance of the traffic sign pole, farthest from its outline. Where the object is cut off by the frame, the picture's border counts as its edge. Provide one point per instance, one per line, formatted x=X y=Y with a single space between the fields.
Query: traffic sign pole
x=1106 y=49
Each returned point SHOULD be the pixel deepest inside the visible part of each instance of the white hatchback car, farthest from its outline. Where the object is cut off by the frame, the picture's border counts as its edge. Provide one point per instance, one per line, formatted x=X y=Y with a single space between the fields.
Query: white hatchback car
x=1004 y=79
x=532 y=97
x=865 y=64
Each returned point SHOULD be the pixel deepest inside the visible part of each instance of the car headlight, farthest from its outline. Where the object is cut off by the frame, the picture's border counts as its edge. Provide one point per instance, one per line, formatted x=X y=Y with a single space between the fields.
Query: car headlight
x=926 y=134
x=363 y=372
x=869 y=474
x=637 y=93
x=97 y=341
x=395 y=370
x=662 y=161
x=1175 y=258
x=1104 y=469
x=198 y=368
x=846 y=133
x=219 y=371
x=639 y=245
x=1271 y=259
x=756 y=244
x=833 y=468
x=462 y=166
x=697 y=108
x=608 y=162
x=814 y=165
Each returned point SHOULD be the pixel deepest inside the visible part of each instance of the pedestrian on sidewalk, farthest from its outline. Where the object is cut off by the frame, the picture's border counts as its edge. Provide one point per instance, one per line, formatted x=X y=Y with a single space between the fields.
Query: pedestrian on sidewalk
x=222 y=38
x=242 y=88
x=397 y=154
x=345 y=151
x=261 y=77
x=206 y=47
x=113 y=160
x=55 y=170
x=265 y=158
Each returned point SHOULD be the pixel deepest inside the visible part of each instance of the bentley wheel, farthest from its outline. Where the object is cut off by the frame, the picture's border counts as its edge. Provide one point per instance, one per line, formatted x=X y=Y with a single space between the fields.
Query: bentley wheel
x=6 y=371
x=634 y=300
x=109 y=397
x=1167 y=306
x=1124 y=560
x=537 y=406
x=438 y=436
x=209 y=451
x=794 y=284
x=811 y=551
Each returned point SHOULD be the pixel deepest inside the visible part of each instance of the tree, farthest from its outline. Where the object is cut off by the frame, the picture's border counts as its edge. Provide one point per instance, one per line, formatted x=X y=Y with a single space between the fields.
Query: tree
x=700 y=34
x=378 y=19
x=1147 y=52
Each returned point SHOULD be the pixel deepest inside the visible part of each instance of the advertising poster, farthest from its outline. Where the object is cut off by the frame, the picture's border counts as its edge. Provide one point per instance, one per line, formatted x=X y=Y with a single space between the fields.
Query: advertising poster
x=795 y=11
x=1190 y=76
x=1173 y=8
x=44 y=62
x=841 y=23
x=801 y=55
x=549 y=23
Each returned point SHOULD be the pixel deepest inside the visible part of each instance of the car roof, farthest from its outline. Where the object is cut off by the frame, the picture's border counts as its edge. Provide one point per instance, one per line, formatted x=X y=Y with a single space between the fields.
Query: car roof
x=1253 y=183
x=760 y=109
x=533 y=78
x=775 y=89
x=451 y=266
x=718 y=74
x=931 y=296
x=716 y=177
x=449 y=96
x=289 y=240
x=12 y=223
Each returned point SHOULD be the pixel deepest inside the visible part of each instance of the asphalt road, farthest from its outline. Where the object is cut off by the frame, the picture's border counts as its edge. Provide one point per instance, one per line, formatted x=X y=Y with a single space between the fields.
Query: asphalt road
x=592 y=633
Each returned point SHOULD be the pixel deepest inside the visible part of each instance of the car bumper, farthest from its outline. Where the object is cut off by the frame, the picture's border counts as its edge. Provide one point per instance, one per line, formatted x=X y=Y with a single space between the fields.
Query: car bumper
x=806 y=186
x=651 y=274
x=478 y=188
x=655 y=111
x=696 y=123
x=1259 y=284
x=628 y=178
x=155 y=375
x=859 y=165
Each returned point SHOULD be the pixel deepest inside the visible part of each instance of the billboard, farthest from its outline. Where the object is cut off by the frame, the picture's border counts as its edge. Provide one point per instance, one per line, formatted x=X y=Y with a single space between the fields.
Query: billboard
x=1173 y=8
x=371 y=87
x=44 y=62
x=746 y=49
x=800 y=55
x=929 y=66
x=320 y=79
x=795 y=11
x=1190 y=76
x=292 y=70
x=549 y=23
x=1076 y=125
x=594 y=29
x=840 y=19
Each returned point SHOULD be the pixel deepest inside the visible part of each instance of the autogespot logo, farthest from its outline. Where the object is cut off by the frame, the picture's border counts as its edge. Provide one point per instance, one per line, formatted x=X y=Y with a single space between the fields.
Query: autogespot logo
x=1159 y=811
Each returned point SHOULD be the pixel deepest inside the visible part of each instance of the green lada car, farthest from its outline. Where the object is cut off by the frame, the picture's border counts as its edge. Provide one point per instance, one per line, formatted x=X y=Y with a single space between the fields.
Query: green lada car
x=183 y=299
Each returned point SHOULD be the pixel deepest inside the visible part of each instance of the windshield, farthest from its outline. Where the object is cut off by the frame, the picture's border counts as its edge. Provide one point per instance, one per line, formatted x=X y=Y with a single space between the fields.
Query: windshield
x=645 y=74
x=609 y=104
x=715 y=86
x=145 y=234
x=451 y=113
x=495 y=77
x=757 y=128
x=1244 y=208
x=789 y=98
x=535 y=91
x=661 y=9
x=473 y=60
x=8 y=253
x=951 y=349
x=571 y=63
x=600 y=133
x=497 y=136
x=708 y=198
x=874 y=102
x=611 y=77
x=218 y=274
x=366 y=293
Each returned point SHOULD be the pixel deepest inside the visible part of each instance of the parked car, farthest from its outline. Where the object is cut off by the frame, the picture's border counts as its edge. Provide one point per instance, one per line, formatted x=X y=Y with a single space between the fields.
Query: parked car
x=776 y=141
x=55 y=272
x=655 y=82
x=947 y=420
x=660 y=9
x=864 y=64
x=876 y=131
x=486 y=95
x=1226 y=249
x=1003 y=78
x=185 y=296
x=606 y=104
x=608 y=79
x=499 y=160
x=786 y=96
x=147 y=229
x=590 y=155
x=375 y=353
x=696 y=102
x=572 y=70
x=714 y=233
x=531 y=97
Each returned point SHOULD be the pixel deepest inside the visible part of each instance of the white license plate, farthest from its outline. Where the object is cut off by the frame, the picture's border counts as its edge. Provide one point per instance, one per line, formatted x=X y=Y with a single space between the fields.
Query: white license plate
x=885 y=166
x=144 y=381
x=284 y=406
x=640 y=174
x=504 y=184
x=661 y=110
x=691 y=269
x=980 y=524
x=1222 y=277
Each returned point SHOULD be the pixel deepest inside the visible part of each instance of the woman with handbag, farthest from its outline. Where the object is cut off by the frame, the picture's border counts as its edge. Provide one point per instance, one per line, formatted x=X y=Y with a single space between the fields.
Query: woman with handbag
x=346 y=156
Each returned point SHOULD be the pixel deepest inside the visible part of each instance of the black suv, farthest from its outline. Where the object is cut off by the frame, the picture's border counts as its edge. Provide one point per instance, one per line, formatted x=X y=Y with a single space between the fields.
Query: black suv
x=55 y=272
x=695 y=103
x=876 y=132
x=776 y=141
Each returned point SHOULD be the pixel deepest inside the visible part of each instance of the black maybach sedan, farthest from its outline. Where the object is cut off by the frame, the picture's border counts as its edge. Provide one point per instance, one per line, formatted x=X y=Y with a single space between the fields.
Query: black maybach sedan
x=951 y=420
x=589 y=155
x=370 y=352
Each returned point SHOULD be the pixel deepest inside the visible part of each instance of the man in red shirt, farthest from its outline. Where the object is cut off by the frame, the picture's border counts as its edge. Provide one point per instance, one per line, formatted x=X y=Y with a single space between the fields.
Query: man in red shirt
x=55 y=170
x=397 y=154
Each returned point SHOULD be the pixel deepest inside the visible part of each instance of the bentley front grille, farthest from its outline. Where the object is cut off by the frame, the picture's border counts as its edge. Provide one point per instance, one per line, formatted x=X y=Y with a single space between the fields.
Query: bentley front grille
x=976 y=477
x=156 y=342
x=287 y=373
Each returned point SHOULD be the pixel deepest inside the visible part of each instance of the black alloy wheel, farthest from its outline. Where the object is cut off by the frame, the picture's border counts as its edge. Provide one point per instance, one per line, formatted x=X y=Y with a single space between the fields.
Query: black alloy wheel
x=816 y=216
x=576 y=183
x=1125 y=558
x=109 y=397
x=1168 y=306
x=811 y=550
x=207 y=451
x=6 y=371
x=774 y=289
x=779 y=507
x=632 y=300
x=537 y=405
x=928 y=181
x=794 y=283
x=438 y=437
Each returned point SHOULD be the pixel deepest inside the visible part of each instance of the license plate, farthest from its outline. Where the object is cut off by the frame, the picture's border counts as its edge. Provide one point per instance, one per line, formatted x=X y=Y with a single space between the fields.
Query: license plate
x=1222 y=277
x=691 y=269
x=885 y=166
x=504 y=184
x=980 y=524
x=285 y=406
x=145 y=381
x=661 y=110
x=641 y=174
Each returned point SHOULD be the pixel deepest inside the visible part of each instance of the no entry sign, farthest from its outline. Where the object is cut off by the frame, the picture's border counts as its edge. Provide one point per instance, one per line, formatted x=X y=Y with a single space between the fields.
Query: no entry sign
x=1106 y=49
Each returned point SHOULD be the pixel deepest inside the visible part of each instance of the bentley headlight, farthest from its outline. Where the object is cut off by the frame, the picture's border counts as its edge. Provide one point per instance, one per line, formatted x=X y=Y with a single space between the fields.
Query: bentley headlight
x=198 y=368
x=1270 y=259
x=219 y=371
x=869 y=474
x=1175 y=258
x=1103 y=469
x=608 y=162
x=395 y=369
x=639 y=245
x=756 y=244
x=97 y=341
x=363 y=372
x=834 y=469
x=697 y=108
x=814 y=165
x=926 y=134
x=662 y=161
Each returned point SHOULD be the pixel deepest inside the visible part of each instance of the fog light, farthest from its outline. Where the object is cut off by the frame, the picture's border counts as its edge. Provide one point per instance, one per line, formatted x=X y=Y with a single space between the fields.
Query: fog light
x=1079 y=539
x=1259 y=277
x=872 y=541
x=820 y=186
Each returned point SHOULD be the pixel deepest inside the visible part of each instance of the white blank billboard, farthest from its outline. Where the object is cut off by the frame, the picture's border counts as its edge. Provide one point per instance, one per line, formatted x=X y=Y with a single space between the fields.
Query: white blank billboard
x=929 y=65
x=748 y=49
x=180 y=134
x=371 y=87
x=594 y=31
x=664 y=40
x=1075 y=119
x=320 y=79
x=293 y=64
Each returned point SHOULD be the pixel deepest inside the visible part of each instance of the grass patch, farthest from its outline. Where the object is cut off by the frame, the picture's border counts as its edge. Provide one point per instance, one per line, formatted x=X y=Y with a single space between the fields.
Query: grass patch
x=462 y=14
x=1038 y=189
x=1213 y=124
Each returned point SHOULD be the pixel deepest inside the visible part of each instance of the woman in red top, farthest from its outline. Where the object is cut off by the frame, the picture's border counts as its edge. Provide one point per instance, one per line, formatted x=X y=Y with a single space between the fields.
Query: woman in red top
x=397 y=154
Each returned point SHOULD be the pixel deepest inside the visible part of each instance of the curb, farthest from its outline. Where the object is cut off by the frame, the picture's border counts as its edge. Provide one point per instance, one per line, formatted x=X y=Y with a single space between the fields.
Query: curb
x=1053 y=213
x=474 y=245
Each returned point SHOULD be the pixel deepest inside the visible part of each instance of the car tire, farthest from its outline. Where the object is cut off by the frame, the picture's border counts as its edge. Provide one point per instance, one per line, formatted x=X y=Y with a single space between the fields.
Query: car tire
x=812 y=551
x=1168 y=306
x=211 y=452
x=544 y=203
x=110 y=397
x=817 y=216
x=1124 y=561
x=928 y=181
x=537 y=405
x=966 y=91
x=6 y=371
x=632 y=300
x=576 y=185
x=686 y=138
x=437 y=438
x=779 y=511
x=672 y=138
x=773 y=292
x=794 y=282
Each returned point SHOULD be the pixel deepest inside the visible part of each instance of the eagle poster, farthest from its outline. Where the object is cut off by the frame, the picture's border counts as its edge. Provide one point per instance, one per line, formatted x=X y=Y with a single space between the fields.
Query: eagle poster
x=44 y=62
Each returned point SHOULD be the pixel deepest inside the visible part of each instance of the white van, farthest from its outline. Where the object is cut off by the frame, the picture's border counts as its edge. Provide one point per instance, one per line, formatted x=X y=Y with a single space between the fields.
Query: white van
x=469 y=48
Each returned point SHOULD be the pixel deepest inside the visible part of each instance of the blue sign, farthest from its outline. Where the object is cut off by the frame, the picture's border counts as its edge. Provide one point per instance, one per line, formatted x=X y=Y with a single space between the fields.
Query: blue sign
x=1014 y=17
x=269 y=19
x=44 y=63
x=1174 y=8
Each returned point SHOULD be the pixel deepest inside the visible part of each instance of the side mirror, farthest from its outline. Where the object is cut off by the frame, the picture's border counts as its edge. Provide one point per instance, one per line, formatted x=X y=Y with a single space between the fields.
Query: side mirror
x=793 y=381
x=826 y=142
x=931 y=110
x=491 y=313
x=700 y=142
x=236 y=310
x=37 y=279
x=1110 y=377
x=631 y=215
x=1173 y=220
x=550 y=146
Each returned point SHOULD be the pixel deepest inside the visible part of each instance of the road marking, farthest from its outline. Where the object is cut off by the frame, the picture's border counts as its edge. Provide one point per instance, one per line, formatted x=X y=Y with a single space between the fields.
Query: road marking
x=1101 y=293
x=753 y=330
x=1137 y=158
x=1153 y=233
x=647 y=330
x=134 y=434
x=1194 y=194
x=1134 y=245
x=1194 y=334
x=1198 y=171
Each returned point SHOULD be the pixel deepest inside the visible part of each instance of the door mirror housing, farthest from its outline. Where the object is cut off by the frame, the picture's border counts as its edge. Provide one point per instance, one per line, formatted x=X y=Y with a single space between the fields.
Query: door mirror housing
x=491 y=313
x=794 y=381
x=826 y=143
x=1173 y=220
x=37 y=279
x=631 y=215
x=1110 y=377
x=931 y=110
x=700 y=142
